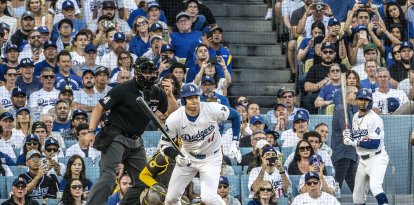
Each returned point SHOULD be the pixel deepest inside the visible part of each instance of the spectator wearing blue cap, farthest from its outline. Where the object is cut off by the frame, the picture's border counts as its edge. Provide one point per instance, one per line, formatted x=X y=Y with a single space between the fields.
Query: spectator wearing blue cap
x=381 y=97
x=19 y=193
x=65 y=28
x=166 y=60
x=7 y=17
x=141 y=11
x=65 y=77
x=45 y=98
x=125 y=63
x=51 y=152
x=156 y=29
x=333 y=35
x=217 y=46
x=256 y=124
x=50 y=53
x=208 y=85
x=26 y=81
x=154 y=51
x=12 y=57
x=27 y=23
x=140 y=43
x=154 y=14
x=183 y=38
x=117 y=45
x=300 y=125
x=68 y=13
x=399 y=70
x=271 y=169
x=90 y=53
x=199 y=22
x=58 y=9
x=223 y=190
x=82 y=148
x=45 y=34
x=86 y=98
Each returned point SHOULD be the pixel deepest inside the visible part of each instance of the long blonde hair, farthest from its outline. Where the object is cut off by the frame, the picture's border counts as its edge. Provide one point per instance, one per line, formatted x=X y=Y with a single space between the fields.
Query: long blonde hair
x=272 y=197
x=19 y=127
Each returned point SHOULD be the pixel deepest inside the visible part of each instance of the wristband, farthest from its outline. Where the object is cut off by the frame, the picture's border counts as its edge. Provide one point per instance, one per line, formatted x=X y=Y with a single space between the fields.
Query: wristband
x=282 y=172
x=91 y=131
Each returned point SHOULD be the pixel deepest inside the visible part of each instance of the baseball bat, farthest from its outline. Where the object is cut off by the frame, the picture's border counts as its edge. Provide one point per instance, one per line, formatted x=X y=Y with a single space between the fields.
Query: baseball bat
x=147 y=110
x=343 y=92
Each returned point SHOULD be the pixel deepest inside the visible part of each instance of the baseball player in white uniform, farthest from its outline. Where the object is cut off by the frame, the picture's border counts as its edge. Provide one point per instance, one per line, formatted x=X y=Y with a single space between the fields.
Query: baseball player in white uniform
x=197 y=124
x=367 y=137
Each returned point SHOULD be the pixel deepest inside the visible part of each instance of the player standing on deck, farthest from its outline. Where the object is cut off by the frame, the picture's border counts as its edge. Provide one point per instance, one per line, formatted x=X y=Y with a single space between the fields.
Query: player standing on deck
x=197 y=124
x=368 y=138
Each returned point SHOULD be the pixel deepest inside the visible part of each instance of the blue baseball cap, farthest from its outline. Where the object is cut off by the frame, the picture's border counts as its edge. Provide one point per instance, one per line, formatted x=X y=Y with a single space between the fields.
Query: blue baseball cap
x=152 y=4
x=406 y=44
x=167 y=47
x=155 y=37
x=182 y=14
x=328 y=45
x=18 y=91
x=108 y=4
x=6 y=115
x=5 y=26
x=51 y=141
x=49 y=44
x=393 y=104
x=207 y=78
x=224 y=180
x=256 y=118
x=10 y=47
x=311 y=175
x=301 y=115
x=119 y=36
x=90 y=47
x=31 y=137
x=43 y=29
x=26 y=62
x=333 y=21
x=22 y=109
x=155 y=26
x=67 y=4
x=279 y=104
x=19 y=180
x=268 y=149
x=273 y=133
x=78 y=112
x=360 y=27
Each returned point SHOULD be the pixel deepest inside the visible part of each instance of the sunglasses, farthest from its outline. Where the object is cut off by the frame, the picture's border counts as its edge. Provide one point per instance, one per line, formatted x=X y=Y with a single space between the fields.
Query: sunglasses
x=335 y=71
x=48 y=76
x=304 y=149
x=32 y=143
x=52 y=149
x=223 y=186
x=287 y=96
x=12 y=74
x=36 y=37
x=266 y=189
x=312 y=182
x=76 y=187
x=395 y=52
x=328 y=52
x=80 y=118
x=21 y=187
x=143 y=23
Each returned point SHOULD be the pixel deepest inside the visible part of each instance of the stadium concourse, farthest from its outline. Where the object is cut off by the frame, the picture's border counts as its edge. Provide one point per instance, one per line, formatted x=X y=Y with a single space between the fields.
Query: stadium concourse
x=281 y=65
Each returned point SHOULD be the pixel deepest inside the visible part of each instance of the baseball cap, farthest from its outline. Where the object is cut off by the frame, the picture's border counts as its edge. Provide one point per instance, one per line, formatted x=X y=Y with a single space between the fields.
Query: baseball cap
x=32 y=153
x=208 y=78
x=155 y=26
x=49 y=44
x=39 y=124
x=119 y=36
x=311 y=175
x=90 y=47
x=5 y=26
x=273 y=133
x=43 y=29
x=333 y=21
x=167 y=47
x=284 y=90
x=6 y=115
x=66 y=89
x=313 y=157
x=19 y=180
x=393 y=104
x=78 y=112
x=327 y=45
x=261 y=143
x=224 y=180
x=268 y=149
x=256 y=118
x=26 y=62
x=51 y=141
x=31 y=137
x=216 y=28
x=108 y=4
x=27 y=14
x=152 y=4
x=102 y=69
x=360 y=27
x=22 y=109
x=406 y=44
x=279 y=104
x=67 y=4
x=87 y=71
x=18 y=91
x=182 y=14
x=11 y=46
x=368 y=47
x=155 y=37
x=301 y=115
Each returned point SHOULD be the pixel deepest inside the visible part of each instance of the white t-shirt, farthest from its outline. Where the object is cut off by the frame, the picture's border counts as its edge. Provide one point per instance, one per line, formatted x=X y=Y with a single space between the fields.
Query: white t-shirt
x=379 y=98
x=5 y=97
x=405 y=86
x=77 y=59
x=75 y=149
x=41 y=101
x=290 y=138
x=325 y=199
x=275 y=178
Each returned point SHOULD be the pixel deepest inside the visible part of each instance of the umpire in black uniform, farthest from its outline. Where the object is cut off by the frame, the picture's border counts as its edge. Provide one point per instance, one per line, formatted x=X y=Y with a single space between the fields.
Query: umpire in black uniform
x=120 y=140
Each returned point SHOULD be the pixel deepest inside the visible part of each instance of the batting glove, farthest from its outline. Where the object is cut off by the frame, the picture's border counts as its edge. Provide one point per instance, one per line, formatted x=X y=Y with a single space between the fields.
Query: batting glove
x=346 y=133
x=351 y=142
x=235 y=150
x=183 y=161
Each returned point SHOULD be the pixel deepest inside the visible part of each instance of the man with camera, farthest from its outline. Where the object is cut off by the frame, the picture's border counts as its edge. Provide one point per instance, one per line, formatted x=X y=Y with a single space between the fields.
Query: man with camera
x=318 y=11
x=272 y=170
x=166 y=60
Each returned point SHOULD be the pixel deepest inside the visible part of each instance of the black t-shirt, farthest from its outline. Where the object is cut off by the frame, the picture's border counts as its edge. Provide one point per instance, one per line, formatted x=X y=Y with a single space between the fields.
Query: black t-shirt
x=125 y=112
x=297 y=15
x=27 y=202
x=46 y=187
x=398 y=72
x=172 y=7
x=18 y=37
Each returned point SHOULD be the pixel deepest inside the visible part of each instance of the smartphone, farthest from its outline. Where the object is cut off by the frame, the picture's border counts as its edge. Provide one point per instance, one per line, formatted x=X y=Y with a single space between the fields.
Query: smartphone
x=164 y=57
x=44 y=164
x=166 y=35
x=272 y=160
x=209 y=35
x=212 y=59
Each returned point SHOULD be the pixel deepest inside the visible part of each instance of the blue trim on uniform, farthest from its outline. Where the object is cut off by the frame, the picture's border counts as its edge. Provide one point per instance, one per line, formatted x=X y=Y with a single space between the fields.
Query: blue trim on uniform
x=235 y=123
x=371 y=144
x=191 y=118
x=382 y=198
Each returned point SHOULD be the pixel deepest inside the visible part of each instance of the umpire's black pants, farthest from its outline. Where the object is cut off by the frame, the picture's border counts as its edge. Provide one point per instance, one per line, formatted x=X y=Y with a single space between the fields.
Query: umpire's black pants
x=345 y=169
x=122 y=149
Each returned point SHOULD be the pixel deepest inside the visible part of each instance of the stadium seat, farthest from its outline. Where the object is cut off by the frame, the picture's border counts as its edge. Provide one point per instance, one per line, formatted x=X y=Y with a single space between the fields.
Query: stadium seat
x=3 y=187
x=17 y=170
x=52 y=201
x=283 y=201
x=64 y=160
x=17 y=151
x=286 y=151
x=234 y=185
x=2 y=200
x=237 y=170
x=330 y=171
x=69 y=143
x=244 y=181
x=151 y=138
x=245 y=150
x=294 y=180
x=9 y=183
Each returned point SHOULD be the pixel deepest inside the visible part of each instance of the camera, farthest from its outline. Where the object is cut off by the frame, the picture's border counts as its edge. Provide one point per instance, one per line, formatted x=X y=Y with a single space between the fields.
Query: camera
x=271 y=160
x=108 y=24
x=365 y=4
x=212 y=59
x=318 y=5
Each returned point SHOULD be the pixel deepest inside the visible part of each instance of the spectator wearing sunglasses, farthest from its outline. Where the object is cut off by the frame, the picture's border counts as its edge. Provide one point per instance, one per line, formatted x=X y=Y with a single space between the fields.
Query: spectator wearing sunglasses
x=73 y=193
x=19 y=194
x=44 y=99
x=31 y=142
x=326 y=94
x=300 y=163
x=314 y=195
x=223 y=191
x=264 y=195
x=12 y=57
x=10 y=76
x=51 y=152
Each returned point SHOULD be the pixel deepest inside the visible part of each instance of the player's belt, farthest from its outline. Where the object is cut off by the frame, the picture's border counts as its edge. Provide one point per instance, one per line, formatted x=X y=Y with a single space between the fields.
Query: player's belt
x=367 y=156
x=202 y=156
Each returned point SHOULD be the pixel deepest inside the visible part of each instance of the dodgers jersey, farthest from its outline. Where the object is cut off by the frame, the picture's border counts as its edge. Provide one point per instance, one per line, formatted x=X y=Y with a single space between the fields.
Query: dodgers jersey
x=378 y=97
x=203 y=135
x=370 y=126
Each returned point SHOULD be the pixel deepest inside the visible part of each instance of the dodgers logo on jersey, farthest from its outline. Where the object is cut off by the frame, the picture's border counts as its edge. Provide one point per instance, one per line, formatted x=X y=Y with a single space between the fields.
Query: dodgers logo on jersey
x=378 y=130
x=359 y=133
x=199 y=136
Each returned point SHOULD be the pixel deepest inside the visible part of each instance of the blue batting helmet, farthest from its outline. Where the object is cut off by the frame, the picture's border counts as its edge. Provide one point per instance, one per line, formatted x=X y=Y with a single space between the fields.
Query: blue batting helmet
x=364 y=93
x=188 y=90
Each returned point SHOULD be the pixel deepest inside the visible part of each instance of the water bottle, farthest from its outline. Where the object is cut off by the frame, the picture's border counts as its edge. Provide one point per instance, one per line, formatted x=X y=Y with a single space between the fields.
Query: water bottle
x=385 y=107
x=290 y=193
x=337 y=190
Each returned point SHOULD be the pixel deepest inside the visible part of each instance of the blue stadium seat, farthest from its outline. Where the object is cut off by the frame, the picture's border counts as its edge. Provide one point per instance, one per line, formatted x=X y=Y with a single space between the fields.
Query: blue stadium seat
x=151 y=138
x=286 y=151
x=234 y=185
x=294 y=180
x=245 y=150
x=2 y=200
x=17 y=151
x=244 y=181
x=9 y=184
x=330 y=171
x=237 y=170
x=3 y=187
x=92 y=169
x=64 y=160
x=52 y=201
x=17 y=170
x=283 y=201
x=69 y=143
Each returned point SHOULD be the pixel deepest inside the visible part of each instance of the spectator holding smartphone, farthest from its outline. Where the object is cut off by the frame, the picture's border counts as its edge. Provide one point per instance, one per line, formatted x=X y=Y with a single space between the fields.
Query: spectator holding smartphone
x=327 y=182
x=208 y=69
x=51 y=153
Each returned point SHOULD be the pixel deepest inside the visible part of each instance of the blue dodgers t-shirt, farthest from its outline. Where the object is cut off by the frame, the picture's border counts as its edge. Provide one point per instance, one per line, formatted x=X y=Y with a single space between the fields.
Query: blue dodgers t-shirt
x=140 y=12
x=74 y=81
x=183 y=41
x=6 y=159
x=60 y=127
x=311 y=51
x=328 y=91
x=138 y=47
x=39 y=66
x=35 y=85
x=340 y=8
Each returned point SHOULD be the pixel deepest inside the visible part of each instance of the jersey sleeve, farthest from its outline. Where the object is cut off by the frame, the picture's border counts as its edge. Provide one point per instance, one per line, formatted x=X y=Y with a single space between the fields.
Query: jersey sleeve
x=218 y=111
x=376 y=129
x=112 y=98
